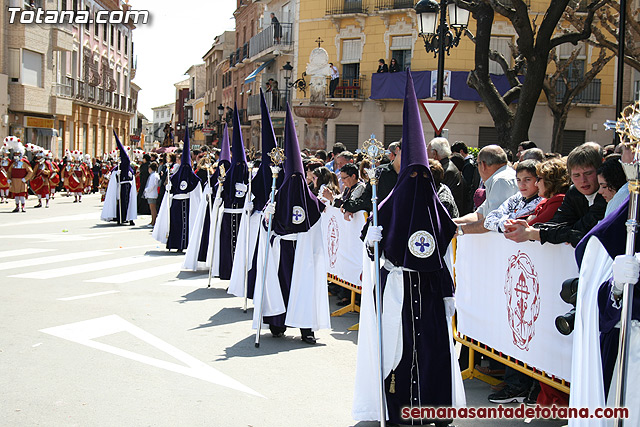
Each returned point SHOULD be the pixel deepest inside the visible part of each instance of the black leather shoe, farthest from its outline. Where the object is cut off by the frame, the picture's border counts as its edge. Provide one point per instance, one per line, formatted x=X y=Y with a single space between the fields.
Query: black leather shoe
x=307 y=336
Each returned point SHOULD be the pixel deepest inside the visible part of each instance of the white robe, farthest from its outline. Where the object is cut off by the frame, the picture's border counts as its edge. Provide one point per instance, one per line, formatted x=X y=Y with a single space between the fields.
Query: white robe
x=195 y=237
x=366 y=397
x=161 y=229
x=587 y=386
x=240 y=269
x=308 y=305
x=110 y=206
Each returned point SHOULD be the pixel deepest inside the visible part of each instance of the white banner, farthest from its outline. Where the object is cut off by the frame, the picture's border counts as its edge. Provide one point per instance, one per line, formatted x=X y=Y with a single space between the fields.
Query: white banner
x=507 y=297
x=343 y=245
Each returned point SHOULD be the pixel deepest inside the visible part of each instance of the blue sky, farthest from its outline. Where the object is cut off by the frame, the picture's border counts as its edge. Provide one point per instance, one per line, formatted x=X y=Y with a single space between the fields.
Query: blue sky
x=177 y=36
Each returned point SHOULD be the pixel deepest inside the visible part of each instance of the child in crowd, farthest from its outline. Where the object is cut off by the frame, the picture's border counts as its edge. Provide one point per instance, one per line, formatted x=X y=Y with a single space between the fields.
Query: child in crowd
x=521 y=204
x=151 y=191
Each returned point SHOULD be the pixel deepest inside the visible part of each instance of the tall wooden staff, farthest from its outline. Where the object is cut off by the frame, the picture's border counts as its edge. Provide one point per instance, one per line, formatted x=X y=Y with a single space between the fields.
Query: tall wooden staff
x=373 y=150
x=214 y=220
x=628 y=127
x=277 y=158
x=247 y=266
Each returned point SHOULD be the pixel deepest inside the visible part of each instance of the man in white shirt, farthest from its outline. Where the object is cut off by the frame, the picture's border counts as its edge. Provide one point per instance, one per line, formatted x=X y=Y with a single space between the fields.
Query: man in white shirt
x=335 y=77
x=500 y=183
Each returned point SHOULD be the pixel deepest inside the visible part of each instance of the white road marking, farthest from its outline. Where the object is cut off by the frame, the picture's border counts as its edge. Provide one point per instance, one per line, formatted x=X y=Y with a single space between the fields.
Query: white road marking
x=67 y=218
x=67 y=237
x=139 y=274
x=22 y=252
x=86 y=331
x=84 y=268
x=51 y=259
x=97 y=294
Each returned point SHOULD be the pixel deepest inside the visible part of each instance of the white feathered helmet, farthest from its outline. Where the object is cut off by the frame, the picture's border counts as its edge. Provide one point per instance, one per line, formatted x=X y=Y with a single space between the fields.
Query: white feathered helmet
x=77 y=155
x=14 y=145
x=49 y=155
x=87 y=159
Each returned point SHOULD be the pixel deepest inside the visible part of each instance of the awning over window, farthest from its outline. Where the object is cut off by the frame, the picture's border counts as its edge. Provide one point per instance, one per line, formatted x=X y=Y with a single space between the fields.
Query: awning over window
x=252 y=77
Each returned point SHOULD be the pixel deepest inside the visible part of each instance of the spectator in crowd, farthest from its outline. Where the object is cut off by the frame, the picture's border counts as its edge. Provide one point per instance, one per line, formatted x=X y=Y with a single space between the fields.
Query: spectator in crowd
x=525 y=145
x=322 y=176
x=322 y=155
x=351 y=198
x=342 y=159
x=521 y=204
x=553 y=183
x=611 y=177
x=581 y=208
x=143 y=171
x=626 y=156
x=533 y=154
x=151 y=191
x=309 y=166
x=394 y=67
x=334 y=79
x=444 y=194
x=439 y=149
x=388 y=176
x=500 y=183
x=466 y=163
x=382 y=66
x=363 y=166
x=609 y=149
x=338 y=148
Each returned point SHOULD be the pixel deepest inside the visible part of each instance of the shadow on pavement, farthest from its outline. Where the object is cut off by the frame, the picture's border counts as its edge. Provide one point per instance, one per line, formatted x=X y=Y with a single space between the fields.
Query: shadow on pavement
x=202 y=294
x=227 y=316
x=162 y=253
x=268 y=344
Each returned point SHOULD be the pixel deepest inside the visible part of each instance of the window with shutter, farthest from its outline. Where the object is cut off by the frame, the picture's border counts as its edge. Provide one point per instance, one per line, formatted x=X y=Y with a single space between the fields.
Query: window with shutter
x=351 y=51
x=501 y=45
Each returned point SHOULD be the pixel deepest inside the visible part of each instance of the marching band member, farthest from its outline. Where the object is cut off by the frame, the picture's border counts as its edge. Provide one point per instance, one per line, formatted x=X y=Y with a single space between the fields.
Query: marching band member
x=4 y=176
x=41 y=178
x=19 y=172
x=54 y=179
x=77 y=176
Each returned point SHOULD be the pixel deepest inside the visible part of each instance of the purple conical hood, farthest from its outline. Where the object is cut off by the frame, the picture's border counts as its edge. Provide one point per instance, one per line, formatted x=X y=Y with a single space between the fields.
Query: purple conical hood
x=414 y=149
x=185 y=157
x=125 y=162
x=293 y=162
x=225 y=152
x=261 y=184
x=237 y=144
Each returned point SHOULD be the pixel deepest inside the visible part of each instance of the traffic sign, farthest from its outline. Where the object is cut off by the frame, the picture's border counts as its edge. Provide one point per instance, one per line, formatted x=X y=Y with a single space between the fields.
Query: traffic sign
x=438 y=112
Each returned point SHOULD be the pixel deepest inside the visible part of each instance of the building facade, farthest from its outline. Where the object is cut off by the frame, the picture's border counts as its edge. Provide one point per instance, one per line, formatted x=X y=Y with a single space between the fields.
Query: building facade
x=216 y=62
x=357 y=34
x=162 y=115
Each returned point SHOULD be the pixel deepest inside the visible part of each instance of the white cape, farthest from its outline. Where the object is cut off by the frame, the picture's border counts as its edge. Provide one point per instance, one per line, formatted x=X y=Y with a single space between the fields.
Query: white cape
x=587 y=386
x=161 y=229
x=195 y=237
x=308 y=305
x=366 y=398
x=110 y=206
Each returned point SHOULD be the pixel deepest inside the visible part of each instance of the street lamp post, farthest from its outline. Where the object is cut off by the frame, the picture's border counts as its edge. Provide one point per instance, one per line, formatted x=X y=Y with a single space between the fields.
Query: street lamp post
x=437 y=35
x=220 y=127
x=288 y=69
x=179 y=130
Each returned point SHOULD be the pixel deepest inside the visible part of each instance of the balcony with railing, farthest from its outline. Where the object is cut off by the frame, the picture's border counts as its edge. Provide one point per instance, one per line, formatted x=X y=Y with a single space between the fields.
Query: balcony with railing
x=589 y=95
x=343 y=7
x=271 y=38
x=381 y=5
x=350 y=88
x=277 y=102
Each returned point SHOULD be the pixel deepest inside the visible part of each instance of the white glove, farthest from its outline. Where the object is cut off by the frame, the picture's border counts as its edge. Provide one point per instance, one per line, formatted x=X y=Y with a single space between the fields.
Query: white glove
x=241 y=189
x=449 y=306
x=374 y=234
x=626 y=269
x=9 y=181
x=24 y=180
x=248 y=207
x=270 y=209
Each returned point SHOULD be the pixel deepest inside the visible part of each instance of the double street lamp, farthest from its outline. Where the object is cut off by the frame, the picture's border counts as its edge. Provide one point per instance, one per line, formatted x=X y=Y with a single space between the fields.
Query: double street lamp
x=220 y=127
x=438 y=36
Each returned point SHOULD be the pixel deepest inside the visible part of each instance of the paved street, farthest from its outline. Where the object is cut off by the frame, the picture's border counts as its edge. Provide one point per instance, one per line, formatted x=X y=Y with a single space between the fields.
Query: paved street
x=99 y=327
